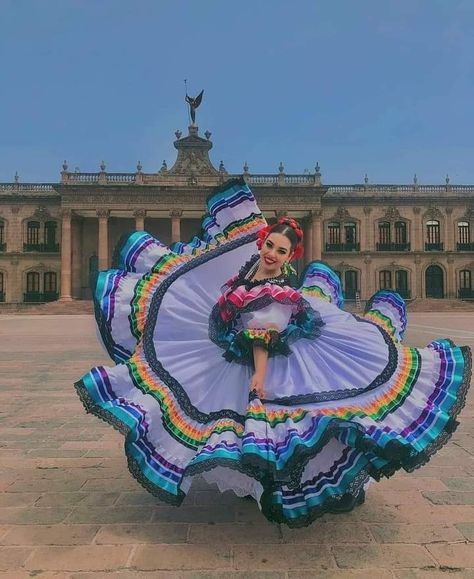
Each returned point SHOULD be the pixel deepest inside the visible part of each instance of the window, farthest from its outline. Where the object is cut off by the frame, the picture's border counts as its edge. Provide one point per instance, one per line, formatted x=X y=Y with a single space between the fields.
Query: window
x=432 y=231
x=334 y=233
x=2 y=232
x=350 y=282
x=50 y=282
x=401 y=280
x=32 y=233
x=465 y=279
x=50 y=228
x=32 y=282
x=384 y=233
x=400 y=232
x=385 y=279
x=464 y=234
x=350 y=232
x=2 y=288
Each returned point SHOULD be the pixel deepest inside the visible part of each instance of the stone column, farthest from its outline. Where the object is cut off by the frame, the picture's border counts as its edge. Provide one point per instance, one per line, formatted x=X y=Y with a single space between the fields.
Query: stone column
x=175 y=215
x=416 y=238
x=76 y=258
x=417 y=282
x=316 y=234
x=140 y=215
x=308 y=240
x=66 y=260
x=451 y=281
x=367 y=245
x=449 y=233
x=366 y=283
x=103 y=250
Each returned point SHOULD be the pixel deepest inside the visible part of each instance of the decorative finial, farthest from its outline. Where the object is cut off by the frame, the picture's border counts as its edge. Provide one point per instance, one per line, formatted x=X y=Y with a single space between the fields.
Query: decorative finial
x=178 y=134
x=366 y=179
x=65 y=165
x=246 y=167
x=221 y=167
x=317 y=169
x=17 y=177
x=415 y=179
x=102 y=166
x=208 y=134
x=77 y=170
x=281 y=168
x=164 y=167
x=139 y=167
x=447 y=179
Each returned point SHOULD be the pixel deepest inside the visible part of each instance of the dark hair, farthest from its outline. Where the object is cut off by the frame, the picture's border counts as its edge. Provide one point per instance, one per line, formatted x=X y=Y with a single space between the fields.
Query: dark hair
x=288 y=232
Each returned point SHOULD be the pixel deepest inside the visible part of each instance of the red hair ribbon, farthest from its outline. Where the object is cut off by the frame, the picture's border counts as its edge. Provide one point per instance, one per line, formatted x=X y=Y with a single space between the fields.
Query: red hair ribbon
x=265 y=232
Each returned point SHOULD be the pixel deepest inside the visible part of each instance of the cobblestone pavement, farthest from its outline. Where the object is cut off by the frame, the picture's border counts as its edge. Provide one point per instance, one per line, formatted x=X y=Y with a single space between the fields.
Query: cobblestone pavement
x=69 y=508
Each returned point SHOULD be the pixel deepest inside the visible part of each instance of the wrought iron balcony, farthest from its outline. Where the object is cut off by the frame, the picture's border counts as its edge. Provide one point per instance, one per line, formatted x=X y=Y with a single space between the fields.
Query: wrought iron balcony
x=466 y=293
x=42 y=247
x=466 y=246
x=342 y=246
x=434 y=246
x=38 y=297
x=393 y=247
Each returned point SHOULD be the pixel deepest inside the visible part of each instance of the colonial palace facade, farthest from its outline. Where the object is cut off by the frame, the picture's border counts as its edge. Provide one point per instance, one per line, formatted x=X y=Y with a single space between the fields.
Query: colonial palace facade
x=416 y=239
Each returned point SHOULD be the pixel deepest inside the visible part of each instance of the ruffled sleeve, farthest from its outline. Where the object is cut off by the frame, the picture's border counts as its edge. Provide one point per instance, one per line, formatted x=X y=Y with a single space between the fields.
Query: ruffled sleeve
x=268 y=315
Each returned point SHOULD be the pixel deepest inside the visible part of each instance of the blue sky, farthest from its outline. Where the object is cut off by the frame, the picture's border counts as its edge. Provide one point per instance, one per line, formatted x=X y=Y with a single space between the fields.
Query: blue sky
x=377 y=86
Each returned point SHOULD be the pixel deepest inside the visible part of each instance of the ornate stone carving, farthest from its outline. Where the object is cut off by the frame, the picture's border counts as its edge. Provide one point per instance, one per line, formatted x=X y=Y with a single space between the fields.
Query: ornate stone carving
x=433 y=213
x=392 y=213
x=449 y=210
x=416 y=210
x=139 y=213
x=15 y=209
x=103 y=213
x=41 y=213
x=342 y=213
x=176 y=213
x=281 y=213
x=193 y=156
x=468 y=214
x=66 y=212
x=367 y=210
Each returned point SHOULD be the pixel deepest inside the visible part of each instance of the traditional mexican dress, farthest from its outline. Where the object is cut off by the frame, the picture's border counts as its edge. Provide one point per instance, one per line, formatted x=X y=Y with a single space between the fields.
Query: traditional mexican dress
x=344 y=401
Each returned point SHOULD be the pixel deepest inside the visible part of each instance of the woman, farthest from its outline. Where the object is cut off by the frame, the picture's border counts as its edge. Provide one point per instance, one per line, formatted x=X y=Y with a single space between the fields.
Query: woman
x=263 y=384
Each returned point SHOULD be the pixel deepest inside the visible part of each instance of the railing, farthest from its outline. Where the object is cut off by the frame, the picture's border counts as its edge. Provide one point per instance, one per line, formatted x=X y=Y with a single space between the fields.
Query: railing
x=120 y=177
x=3 y=246
x=38 y=297
x=384 y=188
x=466 y=293
x=342 y=246
x=465 y=246
x=434 y=246
x=26 y=187
x=42 y=247
x=393 y=246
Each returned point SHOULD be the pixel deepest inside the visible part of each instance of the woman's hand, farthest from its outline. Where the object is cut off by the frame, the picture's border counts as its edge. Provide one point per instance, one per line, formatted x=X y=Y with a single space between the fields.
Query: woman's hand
x=257 y=383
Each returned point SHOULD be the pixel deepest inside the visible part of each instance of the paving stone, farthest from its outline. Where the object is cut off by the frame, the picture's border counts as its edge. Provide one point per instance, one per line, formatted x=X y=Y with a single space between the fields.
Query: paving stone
x=110 y=515
x=233 y=533
x=18 y=499
x=33 y=515
x=459 y=484
x=43 y=485
x=467 y=529
x=445 y=573
x=79 y=558
x=50 y=535
x=171 y=557
x=375 y=573
x=384 y=556
x=119 y=485
x=192 y=514
x=142 y=533
x=208 y=574
x=328 y=533
x=457 y=555
x=450 y=497
x=414 y=533
x=137 y=498
x=282 y=557
x=12 y=558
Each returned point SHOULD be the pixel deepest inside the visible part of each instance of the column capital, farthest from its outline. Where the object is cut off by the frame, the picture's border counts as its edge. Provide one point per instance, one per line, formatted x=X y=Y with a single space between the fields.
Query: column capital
x=103 y=213
x=449 y=210
x=66 y=213
x=140 y=213
x=176 y=213
x=367 y=210
x=416 y=210
x=281 y=213
x=315 y=214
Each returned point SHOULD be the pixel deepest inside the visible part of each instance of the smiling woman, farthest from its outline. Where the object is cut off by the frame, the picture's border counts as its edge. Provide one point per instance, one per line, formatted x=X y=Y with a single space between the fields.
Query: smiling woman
x=258 y=380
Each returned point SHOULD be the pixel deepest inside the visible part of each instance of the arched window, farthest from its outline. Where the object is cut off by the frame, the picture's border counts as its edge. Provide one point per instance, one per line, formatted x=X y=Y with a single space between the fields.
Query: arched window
x=465 y=284
x=385 y=279
x=350 y=284
x=384 y=233
x=334 y=233
x=50 y=228
x=350 y=232
x=50 y=286
x=2 y=288
x=2 y=235
x=33 y=287
x=401 y=283
x=401 y=237
x=433 y=236
x=464 y=236
x=32 y=235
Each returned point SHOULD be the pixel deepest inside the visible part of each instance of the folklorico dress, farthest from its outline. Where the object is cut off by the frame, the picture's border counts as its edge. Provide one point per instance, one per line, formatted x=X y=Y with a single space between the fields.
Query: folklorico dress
x=345 y=399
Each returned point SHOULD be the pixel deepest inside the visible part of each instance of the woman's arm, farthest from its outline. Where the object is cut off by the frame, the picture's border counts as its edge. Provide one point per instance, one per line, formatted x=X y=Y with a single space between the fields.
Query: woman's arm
x=257 y=383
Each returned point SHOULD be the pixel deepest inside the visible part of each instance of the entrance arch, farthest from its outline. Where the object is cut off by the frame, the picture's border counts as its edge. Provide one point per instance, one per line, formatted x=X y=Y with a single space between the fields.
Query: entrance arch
x=434 y=282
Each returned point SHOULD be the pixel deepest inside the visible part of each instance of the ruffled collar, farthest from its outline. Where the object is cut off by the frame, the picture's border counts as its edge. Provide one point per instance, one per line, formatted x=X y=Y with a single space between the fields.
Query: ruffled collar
x=248 y=270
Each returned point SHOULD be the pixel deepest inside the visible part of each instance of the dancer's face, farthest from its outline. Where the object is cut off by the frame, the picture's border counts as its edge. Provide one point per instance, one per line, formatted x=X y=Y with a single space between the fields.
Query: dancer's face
x=276 y=249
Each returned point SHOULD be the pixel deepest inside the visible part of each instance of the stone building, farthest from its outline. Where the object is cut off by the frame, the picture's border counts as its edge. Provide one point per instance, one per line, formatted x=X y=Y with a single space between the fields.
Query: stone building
x=416 y=239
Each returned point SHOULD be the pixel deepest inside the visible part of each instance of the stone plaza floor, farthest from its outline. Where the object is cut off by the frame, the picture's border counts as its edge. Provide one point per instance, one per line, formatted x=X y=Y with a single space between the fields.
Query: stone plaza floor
x=69 y=508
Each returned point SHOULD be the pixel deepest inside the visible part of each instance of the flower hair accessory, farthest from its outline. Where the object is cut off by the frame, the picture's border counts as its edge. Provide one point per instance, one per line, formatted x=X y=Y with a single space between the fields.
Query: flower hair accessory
x=290 y=222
